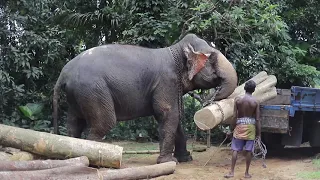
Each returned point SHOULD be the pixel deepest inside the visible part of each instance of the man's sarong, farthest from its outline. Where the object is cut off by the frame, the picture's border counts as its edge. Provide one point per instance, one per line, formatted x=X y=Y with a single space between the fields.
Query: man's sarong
x=245 y=128
x=244 y=134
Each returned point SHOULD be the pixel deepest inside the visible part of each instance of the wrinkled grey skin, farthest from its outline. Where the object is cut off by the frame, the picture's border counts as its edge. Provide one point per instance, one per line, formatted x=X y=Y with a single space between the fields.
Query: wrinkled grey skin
x=113 y=83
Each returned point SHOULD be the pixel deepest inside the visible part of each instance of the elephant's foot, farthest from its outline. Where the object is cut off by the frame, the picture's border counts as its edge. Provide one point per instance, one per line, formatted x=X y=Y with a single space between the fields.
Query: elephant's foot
x=183 y=157
x=167 y=158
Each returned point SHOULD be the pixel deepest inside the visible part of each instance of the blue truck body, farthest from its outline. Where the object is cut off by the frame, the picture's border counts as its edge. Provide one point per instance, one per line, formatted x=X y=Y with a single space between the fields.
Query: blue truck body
x=302 y=99
x=292 y=119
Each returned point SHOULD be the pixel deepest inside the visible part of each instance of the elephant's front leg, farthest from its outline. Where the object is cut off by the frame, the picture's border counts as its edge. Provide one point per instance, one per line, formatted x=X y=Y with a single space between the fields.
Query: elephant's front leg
x=180 y=151
x=168 y=118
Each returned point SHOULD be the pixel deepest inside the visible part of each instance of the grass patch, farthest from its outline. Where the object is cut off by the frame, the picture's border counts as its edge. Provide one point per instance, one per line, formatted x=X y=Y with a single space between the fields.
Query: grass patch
x=311 y=175
x=316 y=162
x=135 y=146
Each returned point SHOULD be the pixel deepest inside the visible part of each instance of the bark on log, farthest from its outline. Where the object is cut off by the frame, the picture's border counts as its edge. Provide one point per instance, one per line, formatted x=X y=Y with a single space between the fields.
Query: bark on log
x=42 y=164
x=60 y=173
x=13 y=154
x=210 y=116
x=144 y=172
x=61 y=147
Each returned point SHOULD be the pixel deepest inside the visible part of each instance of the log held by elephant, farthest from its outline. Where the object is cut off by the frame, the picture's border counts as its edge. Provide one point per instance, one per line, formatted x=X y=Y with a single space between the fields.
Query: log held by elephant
x=212 y=115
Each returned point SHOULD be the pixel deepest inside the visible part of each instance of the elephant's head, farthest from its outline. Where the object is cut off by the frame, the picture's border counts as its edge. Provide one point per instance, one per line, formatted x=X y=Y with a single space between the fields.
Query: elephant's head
x=218 y=71
x=194 y=52
x=206 y=67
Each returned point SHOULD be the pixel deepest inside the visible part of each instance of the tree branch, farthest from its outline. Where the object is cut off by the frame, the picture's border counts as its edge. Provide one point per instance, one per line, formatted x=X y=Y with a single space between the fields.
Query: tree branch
x=184 y=30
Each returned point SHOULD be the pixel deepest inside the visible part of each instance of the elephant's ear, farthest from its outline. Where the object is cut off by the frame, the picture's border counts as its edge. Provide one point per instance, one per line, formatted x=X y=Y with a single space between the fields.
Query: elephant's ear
x=195 y=61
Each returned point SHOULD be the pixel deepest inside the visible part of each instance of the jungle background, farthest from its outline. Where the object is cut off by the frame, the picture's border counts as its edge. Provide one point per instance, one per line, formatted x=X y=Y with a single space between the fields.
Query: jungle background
x=38 y=37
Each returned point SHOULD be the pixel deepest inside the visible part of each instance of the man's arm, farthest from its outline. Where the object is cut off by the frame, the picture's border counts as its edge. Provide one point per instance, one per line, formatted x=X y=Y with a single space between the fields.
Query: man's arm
x=258 y=121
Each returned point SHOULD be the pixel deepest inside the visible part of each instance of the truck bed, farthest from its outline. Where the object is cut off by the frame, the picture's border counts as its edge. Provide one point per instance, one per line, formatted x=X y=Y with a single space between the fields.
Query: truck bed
x=275 y=113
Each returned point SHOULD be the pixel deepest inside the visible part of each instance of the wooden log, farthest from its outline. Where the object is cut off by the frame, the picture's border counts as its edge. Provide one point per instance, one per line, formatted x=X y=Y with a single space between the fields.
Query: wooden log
x=270 y=94
x=42 y=164
x=144 y=172
x=261 y=87
x=13 y=154
x=260 y=77
x=210 y=116
x=61 y=147
x=59 y=173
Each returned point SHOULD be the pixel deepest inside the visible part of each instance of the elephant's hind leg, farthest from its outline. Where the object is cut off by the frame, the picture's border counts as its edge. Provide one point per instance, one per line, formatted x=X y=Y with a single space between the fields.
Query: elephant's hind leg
x=99 y=111
x=75 y=125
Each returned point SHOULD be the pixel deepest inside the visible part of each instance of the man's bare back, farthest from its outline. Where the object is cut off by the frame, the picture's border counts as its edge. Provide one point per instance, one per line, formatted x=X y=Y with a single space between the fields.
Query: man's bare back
x=246 y=106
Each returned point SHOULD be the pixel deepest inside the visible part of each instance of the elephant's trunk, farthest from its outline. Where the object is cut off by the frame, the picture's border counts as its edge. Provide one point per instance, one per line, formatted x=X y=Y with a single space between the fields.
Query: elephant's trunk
x=228 y=75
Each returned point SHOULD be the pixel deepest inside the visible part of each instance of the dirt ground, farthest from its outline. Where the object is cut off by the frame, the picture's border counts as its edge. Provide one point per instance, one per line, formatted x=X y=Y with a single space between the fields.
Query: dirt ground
x=281 y=165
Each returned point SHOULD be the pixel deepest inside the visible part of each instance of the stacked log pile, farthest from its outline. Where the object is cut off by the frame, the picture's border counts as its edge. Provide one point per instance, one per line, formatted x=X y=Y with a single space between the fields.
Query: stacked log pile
x=72 y=158
x=223 y=111
x=77 y=169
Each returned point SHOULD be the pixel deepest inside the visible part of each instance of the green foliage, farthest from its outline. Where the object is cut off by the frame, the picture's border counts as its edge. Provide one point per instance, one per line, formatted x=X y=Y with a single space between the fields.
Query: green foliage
x=38 y=37
x=30 y=110
x=254 y=37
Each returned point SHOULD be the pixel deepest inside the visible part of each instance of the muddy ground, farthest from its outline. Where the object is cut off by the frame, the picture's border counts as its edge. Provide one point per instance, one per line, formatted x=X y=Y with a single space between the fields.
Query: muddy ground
x=286 y=164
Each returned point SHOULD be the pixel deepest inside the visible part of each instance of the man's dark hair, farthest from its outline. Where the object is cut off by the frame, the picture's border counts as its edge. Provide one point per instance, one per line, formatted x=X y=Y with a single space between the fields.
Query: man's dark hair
x=250 y=86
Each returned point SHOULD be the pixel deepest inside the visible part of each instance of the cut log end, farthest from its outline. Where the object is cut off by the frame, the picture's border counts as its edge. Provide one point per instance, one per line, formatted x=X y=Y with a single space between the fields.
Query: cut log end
x=204 y=119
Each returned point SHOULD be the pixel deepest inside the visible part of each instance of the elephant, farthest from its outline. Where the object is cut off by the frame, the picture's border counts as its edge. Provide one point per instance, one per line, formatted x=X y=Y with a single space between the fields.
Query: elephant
x=120 y=82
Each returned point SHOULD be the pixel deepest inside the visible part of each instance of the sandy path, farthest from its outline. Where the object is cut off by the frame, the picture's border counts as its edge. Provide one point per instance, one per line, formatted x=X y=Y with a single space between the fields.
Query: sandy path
x=282 y=165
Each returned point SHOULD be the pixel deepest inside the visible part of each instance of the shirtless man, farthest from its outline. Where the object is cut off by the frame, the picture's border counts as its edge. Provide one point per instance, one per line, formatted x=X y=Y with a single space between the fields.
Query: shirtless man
x=246 y=127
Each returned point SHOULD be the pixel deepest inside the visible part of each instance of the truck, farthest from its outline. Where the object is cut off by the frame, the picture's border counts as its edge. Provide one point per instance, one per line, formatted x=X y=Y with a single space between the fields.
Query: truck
x=291 y=118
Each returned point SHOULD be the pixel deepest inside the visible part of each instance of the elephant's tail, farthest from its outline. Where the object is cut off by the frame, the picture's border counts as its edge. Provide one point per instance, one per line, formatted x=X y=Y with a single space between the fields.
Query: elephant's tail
x=56 y=92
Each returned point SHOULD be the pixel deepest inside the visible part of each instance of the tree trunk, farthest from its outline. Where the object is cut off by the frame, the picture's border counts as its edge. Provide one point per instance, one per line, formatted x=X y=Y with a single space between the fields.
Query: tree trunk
x=144 y=172
x=42 y=164
x=61 y=147
x=66 y=172
x=210 y=116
